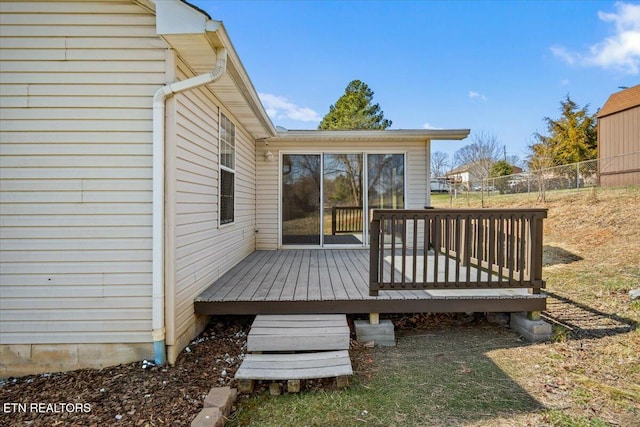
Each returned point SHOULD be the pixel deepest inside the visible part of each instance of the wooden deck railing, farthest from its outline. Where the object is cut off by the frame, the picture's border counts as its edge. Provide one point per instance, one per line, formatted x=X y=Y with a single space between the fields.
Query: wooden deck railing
x=456 y=249
x=346 y=219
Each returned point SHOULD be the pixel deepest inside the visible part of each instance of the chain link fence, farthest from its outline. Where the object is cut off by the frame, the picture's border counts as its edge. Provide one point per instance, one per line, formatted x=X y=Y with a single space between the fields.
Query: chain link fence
x=565 y=177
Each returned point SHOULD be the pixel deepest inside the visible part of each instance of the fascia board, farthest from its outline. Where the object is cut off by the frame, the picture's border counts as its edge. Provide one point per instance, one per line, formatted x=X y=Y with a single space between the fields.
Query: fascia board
x=399 y=135
x=241 y=77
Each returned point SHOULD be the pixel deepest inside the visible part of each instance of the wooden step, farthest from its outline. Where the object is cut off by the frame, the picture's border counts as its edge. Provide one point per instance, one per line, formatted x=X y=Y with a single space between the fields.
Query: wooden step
x=300 y=366
x=298 y=332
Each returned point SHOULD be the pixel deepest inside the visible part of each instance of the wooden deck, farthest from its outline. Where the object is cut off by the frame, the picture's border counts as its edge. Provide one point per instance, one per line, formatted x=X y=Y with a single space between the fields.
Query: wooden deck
x=337 y=281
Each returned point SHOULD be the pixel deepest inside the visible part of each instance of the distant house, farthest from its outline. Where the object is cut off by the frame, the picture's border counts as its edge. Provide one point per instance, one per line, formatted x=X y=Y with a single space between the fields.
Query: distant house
x=619 y=138
x=471 y=175
x=139 y=166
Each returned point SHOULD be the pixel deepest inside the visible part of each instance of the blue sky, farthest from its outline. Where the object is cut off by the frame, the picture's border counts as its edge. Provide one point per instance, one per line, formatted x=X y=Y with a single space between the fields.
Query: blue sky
x=497 y=67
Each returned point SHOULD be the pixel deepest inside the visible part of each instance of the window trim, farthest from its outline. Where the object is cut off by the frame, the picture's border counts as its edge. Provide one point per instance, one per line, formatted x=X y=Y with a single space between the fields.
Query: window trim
x=221 y=167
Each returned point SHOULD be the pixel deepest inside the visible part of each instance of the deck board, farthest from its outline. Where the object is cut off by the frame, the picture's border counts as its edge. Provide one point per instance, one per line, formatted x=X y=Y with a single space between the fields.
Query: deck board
x=325 y=364
x=337 y=281
x=313 y=284
x=298 y=333
x=324 y=280
x=289 y=286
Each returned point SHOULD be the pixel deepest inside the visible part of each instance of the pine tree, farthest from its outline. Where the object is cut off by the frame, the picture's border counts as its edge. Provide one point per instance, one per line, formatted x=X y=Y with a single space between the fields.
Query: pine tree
x=572 y=138
x=355 y=111
x=499 y=171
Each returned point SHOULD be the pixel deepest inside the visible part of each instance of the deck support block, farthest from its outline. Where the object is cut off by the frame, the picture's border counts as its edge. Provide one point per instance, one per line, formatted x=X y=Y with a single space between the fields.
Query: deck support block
x=381 y=334
x=274 y=389
x=374 y=318
x=531 y=330
x=342 y=382
x=245 y=386
x=293 y=386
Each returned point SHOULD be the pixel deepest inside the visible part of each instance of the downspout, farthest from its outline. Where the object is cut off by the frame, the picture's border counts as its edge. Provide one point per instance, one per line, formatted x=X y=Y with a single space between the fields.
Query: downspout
x=158 y=297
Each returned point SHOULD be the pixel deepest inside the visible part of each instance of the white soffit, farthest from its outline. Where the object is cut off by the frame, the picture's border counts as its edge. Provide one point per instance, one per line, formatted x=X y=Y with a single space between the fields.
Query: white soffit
x=195 y=37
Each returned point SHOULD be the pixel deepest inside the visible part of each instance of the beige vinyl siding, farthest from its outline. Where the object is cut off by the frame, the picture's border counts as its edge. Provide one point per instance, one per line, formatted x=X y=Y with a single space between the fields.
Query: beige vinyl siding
x=77 y=86
x=204 y=250
x=268 y=196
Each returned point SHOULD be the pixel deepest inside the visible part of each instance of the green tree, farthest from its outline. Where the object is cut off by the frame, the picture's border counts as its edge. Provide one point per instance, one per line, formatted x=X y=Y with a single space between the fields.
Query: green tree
x=499 y=172
x=355 y=110
x=571 y=138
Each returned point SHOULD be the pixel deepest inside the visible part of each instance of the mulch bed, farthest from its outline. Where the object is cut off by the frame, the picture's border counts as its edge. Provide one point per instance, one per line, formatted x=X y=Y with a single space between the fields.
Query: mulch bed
x=135 y=394
x=138 y=394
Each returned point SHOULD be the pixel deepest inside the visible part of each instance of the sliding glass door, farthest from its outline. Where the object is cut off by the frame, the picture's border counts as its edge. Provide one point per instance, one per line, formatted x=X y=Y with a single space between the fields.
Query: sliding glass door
x=326 y=197
x=301 y=199
x=342 y=198
x=385 y=179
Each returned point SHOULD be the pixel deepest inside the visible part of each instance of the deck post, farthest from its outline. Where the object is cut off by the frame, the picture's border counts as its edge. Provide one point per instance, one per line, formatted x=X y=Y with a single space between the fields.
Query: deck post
x=536 y=253
x=533 y=315
x=374 y=255
x=334 y=220
x=374 y=318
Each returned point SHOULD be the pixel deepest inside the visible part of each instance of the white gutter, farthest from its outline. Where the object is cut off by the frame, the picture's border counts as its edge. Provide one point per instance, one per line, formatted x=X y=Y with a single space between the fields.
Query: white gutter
x=158 y=297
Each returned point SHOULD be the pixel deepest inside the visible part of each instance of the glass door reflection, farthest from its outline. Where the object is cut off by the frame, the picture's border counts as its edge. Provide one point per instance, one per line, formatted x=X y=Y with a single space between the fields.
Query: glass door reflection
x=343 y=214
x=301 y=199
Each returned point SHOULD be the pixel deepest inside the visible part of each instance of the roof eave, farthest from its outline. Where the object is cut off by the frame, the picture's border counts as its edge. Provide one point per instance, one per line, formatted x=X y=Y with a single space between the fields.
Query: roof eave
x=395 y=135
x=195 y=37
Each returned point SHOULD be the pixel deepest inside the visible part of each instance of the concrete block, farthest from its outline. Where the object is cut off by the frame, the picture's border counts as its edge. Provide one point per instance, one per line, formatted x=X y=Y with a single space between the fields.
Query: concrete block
x=222 y=398
x=27 y=359
x=342 y=382
x=55 y=357
x=275 y=389
x=293 y=386
x=531 y=330
x=245 y=386
x=15 y=354
x=382 y=334
x=208 y=417
x=101 y=355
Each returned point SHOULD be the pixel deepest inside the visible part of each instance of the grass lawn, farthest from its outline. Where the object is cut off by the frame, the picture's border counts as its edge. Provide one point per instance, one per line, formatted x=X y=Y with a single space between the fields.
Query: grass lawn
x=479 y=374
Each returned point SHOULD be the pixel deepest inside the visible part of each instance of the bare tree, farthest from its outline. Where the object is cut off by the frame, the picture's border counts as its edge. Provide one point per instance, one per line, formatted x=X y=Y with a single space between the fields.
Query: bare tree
x=478 y=157
x=514 y=160
x=538 y=164
x=439 y=164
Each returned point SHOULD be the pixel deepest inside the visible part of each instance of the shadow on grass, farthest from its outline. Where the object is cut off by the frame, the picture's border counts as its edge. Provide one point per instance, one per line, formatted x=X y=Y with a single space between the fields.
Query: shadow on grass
x=583 y=321
x=553 y=255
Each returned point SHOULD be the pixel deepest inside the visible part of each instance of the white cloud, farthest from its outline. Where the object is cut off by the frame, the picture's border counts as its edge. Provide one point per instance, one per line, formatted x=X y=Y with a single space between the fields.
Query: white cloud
x=279 y=107
x=562 y=53
x=620 y=51
x=428 y=125
x=564 y=82
x=476 y=95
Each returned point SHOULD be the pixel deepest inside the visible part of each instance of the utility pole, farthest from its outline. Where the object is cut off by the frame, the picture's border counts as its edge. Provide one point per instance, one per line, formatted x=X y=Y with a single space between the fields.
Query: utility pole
x=505 y=152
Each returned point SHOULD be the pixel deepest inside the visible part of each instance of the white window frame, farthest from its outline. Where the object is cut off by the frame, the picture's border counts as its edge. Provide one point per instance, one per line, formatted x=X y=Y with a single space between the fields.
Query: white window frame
x=223 y=119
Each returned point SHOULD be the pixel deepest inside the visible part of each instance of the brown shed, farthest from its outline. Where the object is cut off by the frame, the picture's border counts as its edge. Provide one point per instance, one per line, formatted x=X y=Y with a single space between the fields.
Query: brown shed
x=619 y=139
